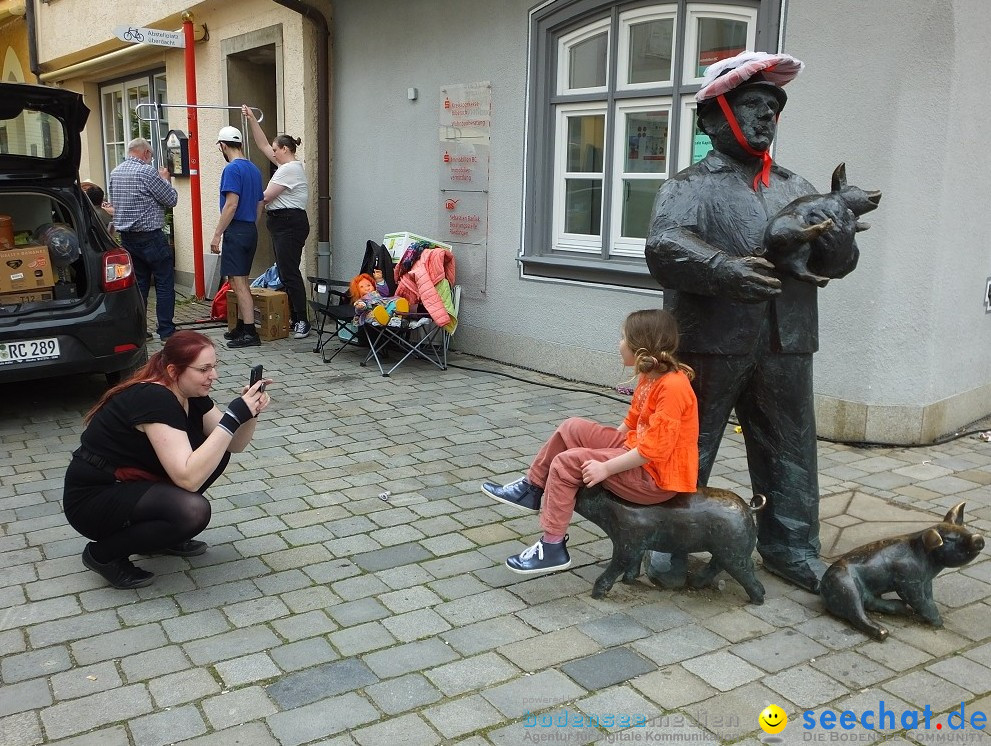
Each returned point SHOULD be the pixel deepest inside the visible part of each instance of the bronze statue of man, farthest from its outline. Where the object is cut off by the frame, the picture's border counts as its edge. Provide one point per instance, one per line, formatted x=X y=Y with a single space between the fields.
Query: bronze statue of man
x=749 y=332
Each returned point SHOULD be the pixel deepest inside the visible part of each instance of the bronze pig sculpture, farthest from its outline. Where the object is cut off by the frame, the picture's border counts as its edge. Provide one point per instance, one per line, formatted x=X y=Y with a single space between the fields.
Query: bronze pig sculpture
x=795 y=239
x=709 y=520
x=906 y=565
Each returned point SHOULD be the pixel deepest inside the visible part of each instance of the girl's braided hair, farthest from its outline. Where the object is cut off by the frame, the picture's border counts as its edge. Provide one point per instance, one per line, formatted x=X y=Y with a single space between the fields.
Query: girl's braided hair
x=652 y=336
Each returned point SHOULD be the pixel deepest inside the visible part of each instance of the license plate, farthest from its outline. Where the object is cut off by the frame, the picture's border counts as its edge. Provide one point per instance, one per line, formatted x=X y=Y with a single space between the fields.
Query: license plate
x=28 y=351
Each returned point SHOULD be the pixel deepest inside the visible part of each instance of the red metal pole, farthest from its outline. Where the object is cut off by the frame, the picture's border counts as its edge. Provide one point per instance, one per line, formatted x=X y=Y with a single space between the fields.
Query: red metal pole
x=194 y=155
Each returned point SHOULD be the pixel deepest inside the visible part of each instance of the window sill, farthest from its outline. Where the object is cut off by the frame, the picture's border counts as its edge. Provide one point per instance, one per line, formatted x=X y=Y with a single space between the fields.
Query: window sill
x=618 y=273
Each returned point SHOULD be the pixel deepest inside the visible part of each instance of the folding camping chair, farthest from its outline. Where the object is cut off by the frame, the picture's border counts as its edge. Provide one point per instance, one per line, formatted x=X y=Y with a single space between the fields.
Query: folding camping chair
x=414 y=334
x=333 y=313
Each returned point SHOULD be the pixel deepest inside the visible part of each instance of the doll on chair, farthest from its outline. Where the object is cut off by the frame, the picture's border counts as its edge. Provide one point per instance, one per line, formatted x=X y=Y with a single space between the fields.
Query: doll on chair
x=371 y=301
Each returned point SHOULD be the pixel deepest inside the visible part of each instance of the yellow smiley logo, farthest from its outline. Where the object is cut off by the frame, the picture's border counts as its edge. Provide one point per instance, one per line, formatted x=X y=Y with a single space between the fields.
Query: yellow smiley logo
x=772 y=719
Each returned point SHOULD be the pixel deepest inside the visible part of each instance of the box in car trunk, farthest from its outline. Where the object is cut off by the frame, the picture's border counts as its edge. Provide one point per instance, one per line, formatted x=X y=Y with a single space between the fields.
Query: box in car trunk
x=25 y=268
x=29 y=296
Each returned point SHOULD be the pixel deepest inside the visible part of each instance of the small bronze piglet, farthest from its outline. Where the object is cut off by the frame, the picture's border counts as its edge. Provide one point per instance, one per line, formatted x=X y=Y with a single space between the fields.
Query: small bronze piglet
x=906 y=565
x=709 y=520
x=805 y=241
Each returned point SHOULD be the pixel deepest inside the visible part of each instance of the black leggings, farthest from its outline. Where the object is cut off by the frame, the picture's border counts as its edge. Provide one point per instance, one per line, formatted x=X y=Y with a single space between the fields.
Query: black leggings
x=289 y=229
x=162 y=517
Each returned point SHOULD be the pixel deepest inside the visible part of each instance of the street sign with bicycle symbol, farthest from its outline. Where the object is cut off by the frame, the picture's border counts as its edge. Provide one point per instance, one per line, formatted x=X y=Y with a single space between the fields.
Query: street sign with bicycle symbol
x=136 y=35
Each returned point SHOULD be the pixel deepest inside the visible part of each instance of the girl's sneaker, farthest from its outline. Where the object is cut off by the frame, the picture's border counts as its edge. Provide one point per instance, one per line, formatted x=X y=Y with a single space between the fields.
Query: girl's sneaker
x=520 y=494
x=301 y=329
x=541 y=557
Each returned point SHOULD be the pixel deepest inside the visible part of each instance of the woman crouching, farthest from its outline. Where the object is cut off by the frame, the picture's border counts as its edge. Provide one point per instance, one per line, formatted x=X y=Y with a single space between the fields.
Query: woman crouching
x=151 y=446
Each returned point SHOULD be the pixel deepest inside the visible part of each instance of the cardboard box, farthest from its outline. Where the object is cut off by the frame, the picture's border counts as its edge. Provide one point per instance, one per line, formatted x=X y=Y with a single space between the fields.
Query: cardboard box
x=25 y=268
x=271 y=312
x=29 y=296
x=397 y=243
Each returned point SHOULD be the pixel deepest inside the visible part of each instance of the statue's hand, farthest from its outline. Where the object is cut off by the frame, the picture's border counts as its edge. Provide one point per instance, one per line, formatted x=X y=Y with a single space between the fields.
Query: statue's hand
x=749 y=279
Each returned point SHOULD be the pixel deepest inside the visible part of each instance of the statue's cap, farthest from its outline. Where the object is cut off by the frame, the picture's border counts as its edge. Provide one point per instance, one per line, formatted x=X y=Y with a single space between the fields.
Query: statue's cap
x=749 y=68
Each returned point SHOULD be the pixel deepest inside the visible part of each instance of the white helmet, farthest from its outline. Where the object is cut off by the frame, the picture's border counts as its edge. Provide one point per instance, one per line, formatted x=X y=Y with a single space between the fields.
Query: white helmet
x=229 y=134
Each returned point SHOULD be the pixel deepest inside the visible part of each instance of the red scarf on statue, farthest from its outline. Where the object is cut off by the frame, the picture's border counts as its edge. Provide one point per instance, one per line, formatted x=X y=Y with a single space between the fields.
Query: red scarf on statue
x=764 y=175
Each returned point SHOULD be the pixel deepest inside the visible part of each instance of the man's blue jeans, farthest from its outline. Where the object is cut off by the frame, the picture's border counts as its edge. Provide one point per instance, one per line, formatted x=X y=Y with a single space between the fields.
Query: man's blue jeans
x=152 y=256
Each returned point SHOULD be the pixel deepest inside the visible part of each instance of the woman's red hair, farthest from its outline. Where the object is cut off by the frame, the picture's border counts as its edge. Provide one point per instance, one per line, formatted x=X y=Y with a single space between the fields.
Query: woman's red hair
x=180 y=350
x=355 y=294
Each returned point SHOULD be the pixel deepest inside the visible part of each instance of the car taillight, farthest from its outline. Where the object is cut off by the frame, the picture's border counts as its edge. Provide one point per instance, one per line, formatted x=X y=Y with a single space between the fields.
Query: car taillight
x=118 y=272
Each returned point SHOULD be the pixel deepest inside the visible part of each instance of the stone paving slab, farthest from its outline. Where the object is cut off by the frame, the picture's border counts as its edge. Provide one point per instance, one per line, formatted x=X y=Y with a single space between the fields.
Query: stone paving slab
x=325 y=615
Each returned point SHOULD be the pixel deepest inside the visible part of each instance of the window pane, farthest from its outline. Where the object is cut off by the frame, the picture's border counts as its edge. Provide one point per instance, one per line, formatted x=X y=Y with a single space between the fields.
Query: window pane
x=138 y=95
x=586 y=135
x=650 y=51
x=587 y=62
x=718 y=39
x=701 y=144
x=113 y=117
x=115 y=154
x=34 y=133
x=638 y=201
x=647 y=142
x=583 y=206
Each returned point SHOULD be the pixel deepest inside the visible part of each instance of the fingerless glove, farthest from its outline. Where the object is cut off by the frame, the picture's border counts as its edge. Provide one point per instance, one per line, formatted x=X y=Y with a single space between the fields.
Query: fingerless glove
x=236 y=415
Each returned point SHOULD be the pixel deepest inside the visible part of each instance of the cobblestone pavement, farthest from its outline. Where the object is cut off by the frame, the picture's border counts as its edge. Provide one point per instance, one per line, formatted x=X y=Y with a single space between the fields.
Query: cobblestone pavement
x=324 y=614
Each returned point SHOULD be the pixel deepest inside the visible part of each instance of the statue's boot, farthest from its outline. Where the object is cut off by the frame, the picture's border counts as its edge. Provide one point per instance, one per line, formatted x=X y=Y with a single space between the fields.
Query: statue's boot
x=805 y=572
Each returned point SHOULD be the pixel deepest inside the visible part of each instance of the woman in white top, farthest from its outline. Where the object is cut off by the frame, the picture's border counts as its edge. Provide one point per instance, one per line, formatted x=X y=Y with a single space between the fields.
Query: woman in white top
x=285 y=205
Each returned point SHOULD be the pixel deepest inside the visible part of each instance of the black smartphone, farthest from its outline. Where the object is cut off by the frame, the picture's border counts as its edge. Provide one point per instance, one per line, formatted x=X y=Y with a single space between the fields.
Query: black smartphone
x=256 y=376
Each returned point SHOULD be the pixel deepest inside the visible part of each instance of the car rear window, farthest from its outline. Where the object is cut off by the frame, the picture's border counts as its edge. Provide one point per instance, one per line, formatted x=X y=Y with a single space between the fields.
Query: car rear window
x=32 y=133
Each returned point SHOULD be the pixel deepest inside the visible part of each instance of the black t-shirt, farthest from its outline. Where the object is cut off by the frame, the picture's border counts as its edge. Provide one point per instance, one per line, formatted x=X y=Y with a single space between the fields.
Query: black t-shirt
x=112 y=433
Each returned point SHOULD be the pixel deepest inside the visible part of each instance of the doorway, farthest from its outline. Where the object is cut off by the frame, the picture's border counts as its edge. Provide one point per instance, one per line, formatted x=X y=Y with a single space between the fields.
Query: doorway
x=253 y=72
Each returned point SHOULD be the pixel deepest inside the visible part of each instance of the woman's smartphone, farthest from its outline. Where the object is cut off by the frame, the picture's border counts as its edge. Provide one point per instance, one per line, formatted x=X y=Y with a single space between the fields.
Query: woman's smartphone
x=256 y=376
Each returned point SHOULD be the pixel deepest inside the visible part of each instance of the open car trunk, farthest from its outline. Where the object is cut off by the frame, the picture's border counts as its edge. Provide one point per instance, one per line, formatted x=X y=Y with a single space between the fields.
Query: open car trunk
x=55 y=258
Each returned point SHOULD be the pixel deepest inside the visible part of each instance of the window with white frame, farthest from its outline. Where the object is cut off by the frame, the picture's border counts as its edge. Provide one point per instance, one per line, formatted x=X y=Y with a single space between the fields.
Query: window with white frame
x=123 y=120
x=611 y=116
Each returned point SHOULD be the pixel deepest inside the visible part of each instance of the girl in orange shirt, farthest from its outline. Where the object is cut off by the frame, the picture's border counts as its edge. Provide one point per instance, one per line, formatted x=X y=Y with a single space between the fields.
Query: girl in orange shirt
x=648 y=459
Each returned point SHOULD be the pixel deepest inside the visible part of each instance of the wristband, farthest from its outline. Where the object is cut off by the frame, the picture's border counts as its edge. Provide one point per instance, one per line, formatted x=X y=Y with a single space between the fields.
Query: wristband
x=229 y=423
x=236 y=415
x=240 y=410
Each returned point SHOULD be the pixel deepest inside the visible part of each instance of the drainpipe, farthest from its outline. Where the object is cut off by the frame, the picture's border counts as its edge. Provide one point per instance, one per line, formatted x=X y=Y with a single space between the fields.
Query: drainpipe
x=323 y=128
x=32 y=40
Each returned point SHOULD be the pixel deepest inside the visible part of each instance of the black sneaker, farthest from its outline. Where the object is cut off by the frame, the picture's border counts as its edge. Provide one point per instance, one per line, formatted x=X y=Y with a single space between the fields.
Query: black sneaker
x=245 y=340
x=300 y=329
x=541 y=557
x=520 y=494
x=188 y=548
x=120 y=573
x=237 y=331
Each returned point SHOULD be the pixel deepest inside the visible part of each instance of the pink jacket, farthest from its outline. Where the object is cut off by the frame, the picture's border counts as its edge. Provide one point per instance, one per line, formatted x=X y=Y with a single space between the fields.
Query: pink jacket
x=419 y=285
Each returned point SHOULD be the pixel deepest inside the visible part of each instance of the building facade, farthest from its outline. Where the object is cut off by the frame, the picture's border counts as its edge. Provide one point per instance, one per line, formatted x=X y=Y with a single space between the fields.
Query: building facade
x=578 y=87
x=533 y=134
x=256 y=52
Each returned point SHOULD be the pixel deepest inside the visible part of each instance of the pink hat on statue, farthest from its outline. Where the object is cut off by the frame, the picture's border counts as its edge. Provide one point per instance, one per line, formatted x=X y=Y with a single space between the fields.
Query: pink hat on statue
x=769 y=71
x=748 y=68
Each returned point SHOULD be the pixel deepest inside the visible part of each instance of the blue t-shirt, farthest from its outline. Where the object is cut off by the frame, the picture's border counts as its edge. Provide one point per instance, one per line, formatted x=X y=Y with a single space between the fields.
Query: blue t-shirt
x=242 y=177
